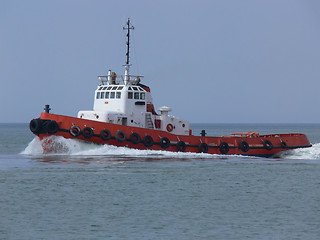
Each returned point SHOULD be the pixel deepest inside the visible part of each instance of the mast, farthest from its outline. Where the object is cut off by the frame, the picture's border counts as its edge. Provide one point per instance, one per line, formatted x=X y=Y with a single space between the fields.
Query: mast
x=128 y=27
x=127 y=65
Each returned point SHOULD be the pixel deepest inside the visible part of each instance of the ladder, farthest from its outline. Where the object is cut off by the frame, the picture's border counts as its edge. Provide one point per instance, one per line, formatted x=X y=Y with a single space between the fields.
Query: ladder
x=149 y=122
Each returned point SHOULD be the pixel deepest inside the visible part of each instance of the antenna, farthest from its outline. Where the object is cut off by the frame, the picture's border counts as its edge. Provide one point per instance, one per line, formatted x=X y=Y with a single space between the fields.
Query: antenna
x=128 y=27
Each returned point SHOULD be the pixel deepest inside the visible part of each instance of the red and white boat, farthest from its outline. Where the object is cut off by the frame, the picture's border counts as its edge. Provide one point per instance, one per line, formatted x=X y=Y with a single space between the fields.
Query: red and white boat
x=124 y=115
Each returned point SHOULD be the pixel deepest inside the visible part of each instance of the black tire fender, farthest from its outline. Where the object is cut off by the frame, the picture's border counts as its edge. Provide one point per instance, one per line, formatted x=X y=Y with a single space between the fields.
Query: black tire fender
x=203 y=148
x=35 y=125
x=267 y=145
x=181 y=146
x=105 y=134
x=52 y=127
x=87 y=132
x=135 y=138
x=244 y=146
x=121 y=136
x=148 y=141
x=75 y=131
x=283 y=144
x=224 y=148
x=164 y=142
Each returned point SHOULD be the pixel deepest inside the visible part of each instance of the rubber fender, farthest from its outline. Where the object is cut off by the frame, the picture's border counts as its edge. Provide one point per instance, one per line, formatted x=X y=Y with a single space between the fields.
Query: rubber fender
x=105 y=134
x=75 y=131
x=164 y=142
x=224 y=148
x=87 y=132
x=135 y=138
x=148 y=141
x=121 y=136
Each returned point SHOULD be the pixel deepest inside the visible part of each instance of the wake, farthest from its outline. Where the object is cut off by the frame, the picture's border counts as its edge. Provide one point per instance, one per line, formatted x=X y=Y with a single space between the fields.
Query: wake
x=303 y=153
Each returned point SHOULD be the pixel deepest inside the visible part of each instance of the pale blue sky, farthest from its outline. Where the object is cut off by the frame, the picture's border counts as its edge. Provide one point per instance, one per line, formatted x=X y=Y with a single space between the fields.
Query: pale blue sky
x=236 y=61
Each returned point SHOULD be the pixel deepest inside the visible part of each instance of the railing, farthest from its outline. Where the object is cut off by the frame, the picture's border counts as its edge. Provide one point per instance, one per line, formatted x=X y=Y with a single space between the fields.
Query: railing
x=117 y=80
x=248 y=134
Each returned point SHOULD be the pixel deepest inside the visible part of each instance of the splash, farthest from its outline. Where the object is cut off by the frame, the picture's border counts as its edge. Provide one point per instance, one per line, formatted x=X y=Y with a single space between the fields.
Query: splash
x=57 y=145
x=303 y=153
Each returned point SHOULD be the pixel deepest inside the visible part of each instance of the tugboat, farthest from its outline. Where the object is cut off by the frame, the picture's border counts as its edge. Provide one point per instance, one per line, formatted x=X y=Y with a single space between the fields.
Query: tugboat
x=124 y=115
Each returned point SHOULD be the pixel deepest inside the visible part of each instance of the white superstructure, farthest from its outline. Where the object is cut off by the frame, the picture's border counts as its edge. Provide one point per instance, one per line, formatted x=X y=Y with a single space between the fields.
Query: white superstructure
x=125 y=101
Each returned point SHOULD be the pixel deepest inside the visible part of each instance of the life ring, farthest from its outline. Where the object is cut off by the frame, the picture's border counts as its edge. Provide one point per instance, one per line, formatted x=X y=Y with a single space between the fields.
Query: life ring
x=87 y=132
x=203 y=148
x=148 y=141
x=52 y=127
x=121 y=136
x=164 y=142
x=105 y=134
x=135 y=138
x=224 y=148
x=75 y=131
x=267 y=145
x=244 y=146
x=181 y=146
x=170 y=127
x=35 y=125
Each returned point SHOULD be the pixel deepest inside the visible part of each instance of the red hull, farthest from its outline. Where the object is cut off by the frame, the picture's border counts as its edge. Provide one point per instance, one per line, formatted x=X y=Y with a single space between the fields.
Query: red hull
x=253 y=145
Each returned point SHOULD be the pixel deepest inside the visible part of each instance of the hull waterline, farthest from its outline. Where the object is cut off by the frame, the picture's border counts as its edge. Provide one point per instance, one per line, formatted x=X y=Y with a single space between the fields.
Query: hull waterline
x=251 y=144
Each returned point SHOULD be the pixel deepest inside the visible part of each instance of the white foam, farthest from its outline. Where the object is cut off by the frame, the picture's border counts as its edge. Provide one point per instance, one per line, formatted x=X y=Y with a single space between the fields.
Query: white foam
x=58 y=145
x=33 y=148
x=62 y=146
x=303 y=153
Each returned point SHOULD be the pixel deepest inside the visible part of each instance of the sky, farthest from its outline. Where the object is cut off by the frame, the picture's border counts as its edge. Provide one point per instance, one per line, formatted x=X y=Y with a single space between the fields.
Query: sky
x=212 y=61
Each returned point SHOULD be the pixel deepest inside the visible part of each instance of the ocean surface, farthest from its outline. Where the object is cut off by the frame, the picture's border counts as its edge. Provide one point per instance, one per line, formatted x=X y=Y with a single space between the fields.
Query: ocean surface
x=87 y=191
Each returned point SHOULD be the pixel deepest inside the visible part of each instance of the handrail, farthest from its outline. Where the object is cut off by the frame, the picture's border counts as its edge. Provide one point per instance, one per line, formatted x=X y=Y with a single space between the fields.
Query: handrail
x=248 y=134
x=118 y=79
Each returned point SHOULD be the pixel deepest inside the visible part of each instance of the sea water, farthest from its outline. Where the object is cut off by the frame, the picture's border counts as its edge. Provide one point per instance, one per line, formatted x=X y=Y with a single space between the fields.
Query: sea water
x=88 y=191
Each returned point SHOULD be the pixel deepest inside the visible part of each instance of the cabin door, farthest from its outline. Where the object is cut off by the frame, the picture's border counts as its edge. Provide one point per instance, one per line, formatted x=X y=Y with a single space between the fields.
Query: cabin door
x=125 y=121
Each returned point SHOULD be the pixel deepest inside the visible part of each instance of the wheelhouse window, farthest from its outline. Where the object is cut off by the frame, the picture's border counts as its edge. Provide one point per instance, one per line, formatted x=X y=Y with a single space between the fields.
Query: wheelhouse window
x=118 y=94
x=98 y=95
x=142 y=96
x=120 y=88
x=130 y=95
x=114 y=88
x=136 y=95
x=112 y=94
x=109 y=88
x=107 y=95
x=135 y=88
x=102 y=94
